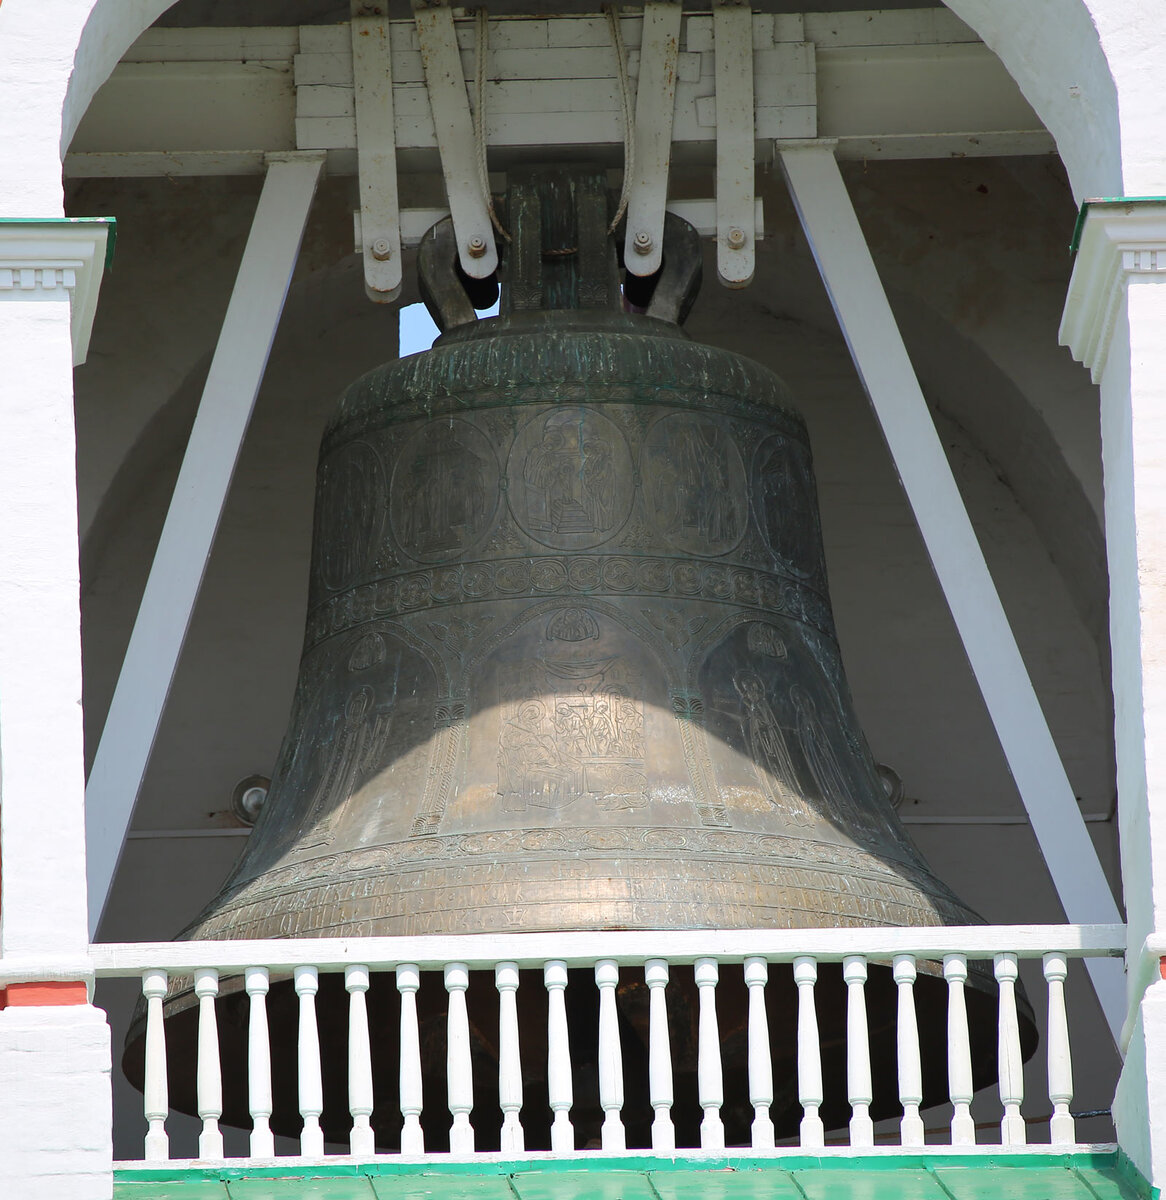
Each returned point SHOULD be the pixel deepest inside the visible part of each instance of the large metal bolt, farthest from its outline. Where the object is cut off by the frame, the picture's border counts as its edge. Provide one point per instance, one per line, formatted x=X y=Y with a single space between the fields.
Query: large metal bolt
x=476 y=247
x=381 y=250
x=736 y=238
x=642 y=242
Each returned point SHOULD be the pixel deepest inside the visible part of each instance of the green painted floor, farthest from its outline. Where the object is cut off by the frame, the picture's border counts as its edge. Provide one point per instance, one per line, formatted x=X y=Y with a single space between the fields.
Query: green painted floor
x=1088 y=1176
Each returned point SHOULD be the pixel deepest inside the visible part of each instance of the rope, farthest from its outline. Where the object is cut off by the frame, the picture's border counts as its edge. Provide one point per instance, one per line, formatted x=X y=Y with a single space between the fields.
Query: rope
x=482 y=51
x=611 y=11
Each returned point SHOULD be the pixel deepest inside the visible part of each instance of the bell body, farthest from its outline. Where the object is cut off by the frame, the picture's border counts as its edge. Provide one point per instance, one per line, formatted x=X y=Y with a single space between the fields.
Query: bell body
x=570 y=662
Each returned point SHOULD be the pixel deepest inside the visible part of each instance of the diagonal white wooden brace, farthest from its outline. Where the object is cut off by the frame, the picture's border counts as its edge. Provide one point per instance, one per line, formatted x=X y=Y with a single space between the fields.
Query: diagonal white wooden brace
x=848 y=271
x=733 y=57
x=446 y=85
x=376 y=148
x=655 y=100
x=200 y=494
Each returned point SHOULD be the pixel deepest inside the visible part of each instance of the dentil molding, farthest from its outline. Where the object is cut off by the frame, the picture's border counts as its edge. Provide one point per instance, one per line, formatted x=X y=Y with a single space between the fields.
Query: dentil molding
x=1115 y=239
x=60 y=258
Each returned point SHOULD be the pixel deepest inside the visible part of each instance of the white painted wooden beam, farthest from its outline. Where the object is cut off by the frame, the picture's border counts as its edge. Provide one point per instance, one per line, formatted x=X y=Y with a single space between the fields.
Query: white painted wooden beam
x=655 y=99
x=869 y=326
x=454 y=129
x=372 y=72
x=736 y=124
x=199 y=497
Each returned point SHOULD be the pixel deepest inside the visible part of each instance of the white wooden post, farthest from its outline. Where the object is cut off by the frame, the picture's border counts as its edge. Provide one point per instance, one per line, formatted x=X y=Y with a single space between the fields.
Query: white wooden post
x=910 y=1068
x=559 y=1088
x=155 y=1089
x=458 y=1064
x=412 y=1135
x=709 y=1074
x=612 y=1134
x=197 y=504
x=659 y=1056
x=311 y=1083
x=509 y=1059
x=760 y=1058
x=858 y=1081
x=1061 y=1126
x=813 y=1134
x=959 y=1052
x=876 y=346
x=1010 y=1066
x=361 y=1140
x=209 y=1072
x=256 y=981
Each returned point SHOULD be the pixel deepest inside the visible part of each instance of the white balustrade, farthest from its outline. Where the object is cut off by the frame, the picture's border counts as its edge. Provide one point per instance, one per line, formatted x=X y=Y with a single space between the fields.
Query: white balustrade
x=156 y=1091
x=659 y=1057
x=858 y=1080
x=810 y=1095
x=910 y=1067
x=209 y=1071
x=760 y=1059
x=1010 y=1068
x=412 y=1136
x=509 y=1059
x=907 y=951
x=307 y=983
x=959 y=1051
x=1061 y=1128
x=459 y=1077
x=710 y=1084
x=612 y=1135
x=360 y=1095
x=559 y=1087
x=257 y=982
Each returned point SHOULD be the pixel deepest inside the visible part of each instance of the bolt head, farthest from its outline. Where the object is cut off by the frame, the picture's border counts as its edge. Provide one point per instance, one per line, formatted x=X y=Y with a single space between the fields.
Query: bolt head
x=476 y=247
x=736 y=238
x=642 y=242
x=381 y=251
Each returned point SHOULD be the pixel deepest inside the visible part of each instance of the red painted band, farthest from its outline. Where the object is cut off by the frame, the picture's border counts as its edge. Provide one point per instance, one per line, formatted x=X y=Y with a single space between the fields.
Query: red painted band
x=1162 y=967
x=46 y=993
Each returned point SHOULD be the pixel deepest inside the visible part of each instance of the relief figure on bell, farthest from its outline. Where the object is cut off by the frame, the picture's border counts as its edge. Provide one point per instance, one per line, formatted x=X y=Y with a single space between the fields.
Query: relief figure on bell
x=767 y=746
x=822 y=759
x=569 y=477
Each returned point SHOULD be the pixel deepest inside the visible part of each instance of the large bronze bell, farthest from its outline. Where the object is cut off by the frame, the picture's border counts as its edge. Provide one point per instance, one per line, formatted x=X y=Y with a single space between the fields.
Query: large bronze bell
x=570 y=665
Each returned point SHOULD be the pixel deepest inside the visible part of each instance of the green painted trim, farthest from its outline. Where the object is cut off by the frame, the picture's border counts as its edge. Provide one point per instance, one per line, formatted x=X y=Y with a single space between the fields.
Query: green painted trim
x=1130 y=1173
x=110 y=222
x=1106 y=202
x=796 y=1161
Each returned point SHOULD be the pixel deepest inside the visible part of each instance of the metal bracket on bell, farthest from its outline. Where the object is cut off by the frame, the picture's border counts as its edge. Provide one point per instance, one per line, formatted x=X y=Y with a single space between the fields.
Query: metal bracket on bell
x=448 y=294
x=670 y=294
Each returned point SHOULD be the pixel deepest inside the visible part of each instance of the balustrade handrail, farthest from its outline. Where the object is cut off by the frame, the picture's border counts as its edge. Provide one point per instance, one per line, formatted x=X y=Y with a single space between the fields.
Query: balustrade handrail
x=577 y=949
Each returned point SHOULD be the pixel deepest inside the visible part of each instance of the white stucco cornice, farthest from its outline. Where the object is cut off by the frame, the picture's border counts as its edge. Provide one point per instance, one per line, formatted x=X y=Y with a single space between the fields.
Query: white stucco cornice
x=1118 y=239
x=57 y=258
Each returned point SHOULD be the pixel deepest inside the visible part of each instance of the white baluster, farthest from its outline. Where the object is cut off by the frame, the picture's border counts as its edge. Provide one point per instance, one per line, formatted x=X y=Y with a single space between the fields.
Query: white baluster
x=610 y=1058
x=509 y=1061
x=959 y=1052
x=760 y=1059
x=257 y=982
x=412 y=1136
x=307 y=983
x=809 y=1054
x=156 y=1091
x=459 y=1075
x=910 y=1068
x=709 y=1079
x=858 y=1082
x=361 y=1140
x=659 y=1056
x=1062 y=1131
x=1011 y=1069
x=209 y=1071
x=559 y=1087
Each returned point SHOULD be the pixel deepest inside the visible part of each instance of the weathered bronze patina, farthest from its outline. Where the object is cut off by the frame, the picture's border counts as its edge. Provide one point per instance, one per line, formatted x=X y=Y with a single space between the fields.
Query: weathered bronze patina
x=570 y=664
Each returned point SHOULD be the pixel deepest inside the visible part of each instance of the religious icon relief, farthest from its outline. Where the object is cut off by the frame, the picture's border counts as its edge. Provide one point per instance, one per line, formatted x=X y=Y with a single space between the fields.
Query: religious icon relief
x=445 y=490
x=570 y=478
x=786 y=508
x=678 y=629
x=349 y=513
x=456 y=634
x=694 y=483
x=572 y=725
